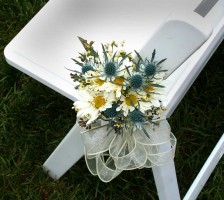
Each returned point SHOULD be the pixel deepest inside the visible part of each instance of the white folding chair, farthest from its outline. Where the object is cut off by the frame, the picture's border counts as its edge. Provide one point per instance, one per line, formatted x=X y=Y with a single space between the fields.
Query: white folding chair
x=48 y=42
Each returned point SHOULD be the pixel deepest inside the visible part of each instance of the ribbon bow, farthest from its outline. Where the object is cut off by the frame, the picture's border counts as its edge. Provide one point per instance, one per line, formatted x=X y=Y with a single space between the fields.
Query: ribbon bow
x=107 y=155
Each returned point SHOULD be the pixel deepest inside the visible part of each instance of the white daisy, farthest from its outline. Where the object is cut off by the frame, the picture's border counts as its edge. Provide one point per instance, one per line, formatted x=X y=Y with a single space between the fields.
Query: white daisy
x=115 y=87
x=144 y=106
x=92 y=104
x=157 y=94
x=127 y=103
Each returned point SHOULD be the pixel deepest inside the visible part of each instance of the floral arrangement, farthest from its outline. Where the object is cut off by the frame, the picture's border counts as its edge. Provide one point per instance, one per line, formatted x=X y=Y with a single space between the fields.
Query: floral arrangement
x=117 y=88
x=125 y=92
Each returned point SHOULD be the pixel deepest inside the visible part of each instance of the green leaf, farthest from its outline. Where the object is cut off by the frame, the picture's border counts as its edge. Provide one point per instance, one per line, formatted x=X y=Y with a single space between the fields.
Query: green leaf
x=75 y=77
x=164 y=70
x=84 y=43
x=138 y=65
x=157 y=85
x=89 y=47
x=161 y=61
x=95 y=54
x=153 y=55
x=77 y=62
x=114 y=56
x=144 y=131
x=140 y=58
x=121 y=62
x=105 y=54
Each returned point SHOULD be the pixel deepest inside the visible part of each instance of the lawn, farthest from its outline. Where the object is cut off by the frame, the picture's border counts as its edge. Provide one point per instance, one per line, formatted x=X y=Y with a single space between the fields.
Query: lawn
x=34 y=119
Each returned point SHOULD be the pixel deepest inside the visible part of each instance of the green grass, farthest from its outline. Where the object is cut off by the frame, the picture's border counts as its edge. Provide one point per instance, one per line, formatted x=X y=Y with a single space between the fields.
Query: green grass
x=34 y=119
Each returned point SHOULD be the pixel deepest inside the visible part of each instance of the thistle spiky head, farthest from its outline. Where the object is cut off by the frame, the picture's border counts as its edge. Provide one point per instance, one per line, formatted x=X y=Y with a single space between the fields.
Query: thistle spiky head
x=110 y=69
x=137 y=116
x=150 y=69
x=86 y=68
x=111 y=112
x=136 y=81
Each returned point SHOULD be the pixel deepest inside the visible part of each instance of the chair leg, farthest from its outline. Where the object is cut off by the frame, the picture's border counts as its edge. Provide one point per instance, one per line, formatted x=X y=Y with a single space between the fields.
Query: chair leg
x=206 y=171
x=166 y=181
x=67 y=153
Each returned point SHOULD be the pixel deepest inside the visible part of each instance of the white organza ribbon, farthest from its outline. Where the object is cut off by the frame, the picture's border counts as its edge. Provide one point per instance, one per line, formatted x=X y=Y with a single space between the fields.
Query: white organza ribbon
x=107 y=155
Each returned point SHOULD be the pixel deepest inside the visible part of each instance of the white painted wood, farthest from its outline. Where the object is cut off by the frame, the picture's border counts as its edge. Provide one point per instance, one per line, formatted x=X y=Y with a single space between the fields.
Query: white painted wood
x=166 y=181
x=186 y=74
x=165 y=177
x=48 y=42
x=184 y=32
x=67 y=153
x=206 y=171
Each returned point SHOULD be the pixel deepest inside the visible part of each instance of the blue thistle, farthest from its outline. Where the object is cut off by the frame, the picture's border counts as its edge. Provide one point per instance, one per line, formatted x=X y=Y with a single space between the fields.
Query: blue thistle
x=110 y=69
x=150 y=69
x=86 y=68
x=111 y=112
x=136 y=81
x=137 y=116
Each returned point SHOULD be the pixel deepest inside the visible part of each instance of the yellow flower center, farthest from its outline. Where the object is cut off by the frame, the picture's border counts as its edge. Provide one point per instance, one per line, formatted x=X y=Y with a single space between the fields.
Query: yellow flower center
x=99 y=81
x=149 y=88
x=99 y=101
x=119 y=80
x=131 y=99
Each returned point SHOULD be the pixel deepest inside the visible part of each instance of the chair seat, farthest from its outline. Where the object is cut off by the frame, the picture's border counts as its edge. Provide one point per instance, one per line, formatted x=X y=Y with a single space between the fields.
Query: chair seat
x=44 y=48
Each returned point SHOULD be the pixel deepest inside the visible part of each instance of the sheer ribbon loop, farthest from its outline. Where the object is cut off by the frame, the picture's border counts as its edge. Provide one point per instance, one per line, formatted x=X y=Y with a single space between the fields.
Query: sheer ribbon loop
x=107 y=155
